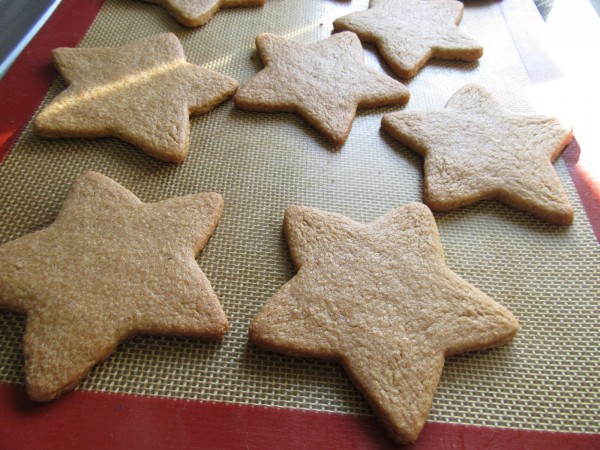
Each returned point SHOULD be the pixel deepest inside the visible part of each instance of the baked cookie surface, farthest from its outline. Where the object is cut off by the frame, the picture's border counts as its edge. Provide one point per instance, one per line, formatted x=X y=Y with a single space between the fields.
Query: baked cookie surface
x=142 y=93
x=380 y=299
x=408 y=33
x=324 y=82
x=108 y=268
x=193 y=13
x=475 y=150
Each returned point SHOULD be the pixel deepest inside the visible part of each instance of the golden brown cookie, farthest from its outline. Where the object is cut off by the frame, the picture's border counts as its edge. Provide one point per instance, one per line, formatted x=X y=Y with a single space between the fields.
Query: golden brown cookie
x=324 y=82
x=108 y=268
x=408 y=33
x=380 y=299
x=474 y=150
x=142 y=93
x=193 y=13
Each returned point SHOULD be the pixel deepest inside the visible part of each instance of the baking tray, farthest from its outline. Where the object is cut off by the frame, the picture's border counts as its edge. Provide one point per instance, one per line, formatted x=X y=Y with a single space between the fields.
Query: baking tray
x=540 y=389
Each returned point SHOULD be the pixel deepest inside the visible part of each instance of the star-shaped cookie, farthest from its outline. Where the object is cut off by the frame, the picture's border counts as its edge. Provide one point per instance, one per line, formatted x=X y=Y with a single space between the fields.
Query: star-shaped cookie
x=380 y=299
x=324 y=82
x=108 y=268
x=474 y=150
x=193 y=13
x=142 y=93
x=408 y=33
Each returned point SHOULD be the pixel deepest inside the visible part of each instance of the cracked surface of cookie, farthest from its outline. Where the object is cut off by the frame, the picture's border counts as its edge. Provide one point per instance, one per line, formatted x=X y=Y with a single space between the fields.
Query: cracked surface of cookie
x=380 y=299
x=193 y=13
x=475 y=150
x=142 y=93
x=408 y=33
x=324 y=82
x=108 y=268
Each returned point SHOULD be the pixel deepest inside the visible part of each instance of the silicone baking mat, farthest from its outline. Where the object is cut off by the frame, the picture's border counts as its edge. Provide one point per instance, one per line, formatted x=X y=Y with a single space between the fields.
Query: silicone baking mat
x=546 y=379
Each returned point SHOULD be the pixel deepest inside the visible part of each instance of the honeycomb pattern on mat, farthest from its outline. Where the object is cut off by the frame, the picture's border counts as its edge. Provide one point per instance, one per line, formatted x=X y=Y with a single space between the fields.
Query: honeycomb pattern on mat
x=548 y=276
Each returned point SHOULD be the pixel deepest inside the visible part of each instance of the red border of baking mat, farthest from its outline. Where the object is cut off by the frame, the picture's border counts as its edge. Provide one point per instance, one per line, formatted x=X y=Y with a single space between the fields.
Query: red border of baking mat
x=85 y=419
x=26 y=82
x=100 y=420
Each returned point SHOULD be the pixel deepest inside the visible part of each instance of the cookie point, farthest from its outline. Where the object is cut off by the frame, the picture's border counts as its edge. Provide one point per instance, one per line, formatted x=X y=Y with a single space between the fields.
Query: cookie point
x=215 y=199
x=293 y=210
x=39 y=125
x=264 y=36
x=564 y=217
x=252 y=330
x=40 y=395
x=175 y=156
x=221 y=329
x=515 y=326
x=90 y=175
x=419 y=207
x=169 y=35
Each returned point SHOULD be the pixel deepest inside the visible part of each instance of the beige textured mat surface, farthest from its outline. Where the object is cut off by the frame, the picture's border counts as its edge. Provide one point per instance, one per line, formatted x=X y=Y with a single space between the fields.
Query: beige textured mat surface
x=547 y=378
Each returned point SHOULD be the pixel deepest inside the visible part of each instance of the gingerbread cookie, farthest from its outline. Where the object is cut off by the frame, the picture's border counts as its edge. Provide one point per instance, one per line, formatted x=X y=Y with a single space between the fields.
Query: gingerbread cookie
x=408 y=33
x=380 y=299
x=142 y=93
x=108 y=268
x=474 y=150
x=324 y=82
x=193 y=13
